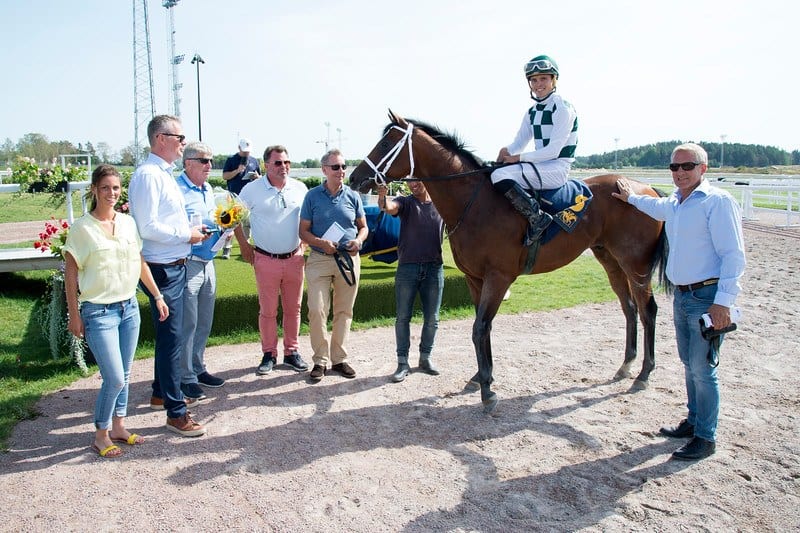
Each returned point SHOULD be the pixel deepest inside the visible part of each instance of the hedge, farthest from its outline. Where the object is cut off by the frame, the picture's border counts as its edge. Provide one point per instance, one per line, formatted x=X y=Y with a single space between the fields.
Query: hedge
x=237 y=310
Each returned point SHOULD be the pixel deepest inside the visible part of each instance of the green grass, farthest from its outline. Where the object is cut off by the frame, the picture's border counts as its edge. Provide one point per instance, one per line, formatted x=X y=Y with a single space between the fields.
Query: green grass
x=27 y=370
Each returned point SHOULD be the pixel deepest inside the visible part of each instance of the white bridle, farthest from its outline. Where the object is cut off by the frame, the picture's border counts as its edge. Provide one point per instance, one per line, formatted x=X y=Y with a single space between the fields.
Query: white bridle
x=383 y=166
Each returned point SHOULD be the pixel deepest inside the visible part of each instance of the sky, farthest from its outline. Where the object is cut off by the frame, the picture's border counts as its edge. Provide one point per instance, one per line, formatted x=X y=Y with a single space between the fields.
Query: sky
x=637 y=72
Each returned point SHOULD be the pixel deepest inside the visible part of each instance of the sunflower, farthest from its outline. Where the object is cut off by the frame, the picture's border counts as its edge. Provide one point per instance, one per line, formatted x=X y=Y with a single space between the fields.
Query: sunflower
x=230 y=212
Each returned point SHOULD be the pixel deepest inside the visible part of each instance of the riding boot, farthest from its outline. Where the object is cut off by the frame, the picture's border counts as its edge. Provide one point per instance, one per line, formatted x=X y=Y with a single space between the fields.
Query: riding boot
x=528 y=207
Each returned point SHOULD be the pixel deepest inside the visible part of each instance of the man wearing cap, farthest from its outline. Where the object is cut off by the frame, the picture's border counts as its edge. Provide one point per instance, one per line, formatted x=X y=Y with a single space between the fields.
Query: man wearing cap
x=240 y=169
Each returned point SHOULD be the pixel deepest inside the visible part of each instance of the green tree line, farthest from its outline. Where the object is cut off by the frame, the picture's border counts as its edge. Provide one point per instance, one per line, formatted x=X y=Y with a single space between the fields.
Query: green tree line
x=46 y=152
x=43 y=150
x=658 y=155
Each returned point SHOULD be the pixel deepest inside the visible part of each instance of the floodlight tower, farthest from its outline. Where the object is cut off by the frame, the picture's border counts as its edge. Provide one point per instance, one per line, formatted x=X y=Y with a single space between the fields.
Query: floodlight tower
x=174 y=60
x=143 y=99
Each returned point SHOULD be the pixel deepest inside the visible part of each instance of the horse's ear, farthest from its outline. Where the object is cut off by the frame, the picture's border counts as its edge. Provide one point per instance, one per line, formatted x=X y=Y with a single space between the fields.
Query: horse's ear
x=397 y=119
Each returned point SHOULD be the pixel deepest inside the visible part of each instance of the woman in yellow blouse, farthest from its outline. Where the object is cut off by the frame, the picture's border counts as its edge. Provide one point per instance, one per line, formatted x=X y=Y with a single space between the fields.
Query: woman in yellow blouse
x=103 y=266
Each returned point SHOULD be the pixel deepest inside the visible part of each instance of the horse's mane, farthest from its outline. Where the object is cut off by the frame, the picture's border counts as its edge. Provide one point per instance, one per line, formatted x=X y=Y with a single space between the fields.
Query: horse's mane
x=449 y=141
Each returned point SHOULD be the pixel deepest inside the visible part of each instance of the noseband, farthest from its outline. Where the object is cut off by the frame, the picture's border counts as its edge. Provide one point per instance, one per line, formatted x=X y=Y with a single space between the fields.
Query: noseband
x=383 y=166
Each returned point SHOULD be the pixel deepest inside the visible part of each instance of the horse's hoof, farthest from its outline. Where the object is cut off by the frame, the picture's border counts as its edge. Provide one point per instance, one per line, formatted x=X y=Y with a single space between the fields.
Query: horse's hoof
x=490 y=404
x=622 y=374
x=638 y=385
x=472 y=386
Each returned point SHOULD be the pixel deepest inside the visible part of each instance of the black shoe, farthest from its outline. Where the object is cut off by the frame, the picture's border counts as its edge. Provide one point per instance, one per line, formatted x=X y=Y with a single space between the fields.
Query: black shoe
x=210 y=380
x=317 y=373
x=193 y=390
x=402 y=371
x=681 y=431
x=293 y=360
x=267 y=363
x=427 y=366
x=344 y=369
x=695 y=449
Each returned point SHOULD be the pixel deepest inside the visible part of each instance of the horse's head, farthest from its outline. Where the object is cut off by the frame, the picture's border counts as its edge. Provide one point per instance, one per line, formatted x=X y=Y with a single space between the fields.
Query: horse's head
x=391 y=159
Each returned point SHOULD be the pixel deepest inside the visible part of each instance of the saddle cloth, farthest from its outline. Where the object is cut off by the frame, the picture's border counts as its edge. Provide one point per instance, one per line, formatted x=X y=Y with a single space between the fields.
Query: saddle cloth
x=567 y=205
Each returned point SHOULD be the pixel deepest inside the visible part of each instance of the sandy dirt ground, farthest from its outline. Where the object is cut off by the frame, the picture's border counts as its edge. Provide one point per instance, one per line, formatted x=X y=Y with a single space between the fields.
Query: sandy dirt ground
x=567 y=449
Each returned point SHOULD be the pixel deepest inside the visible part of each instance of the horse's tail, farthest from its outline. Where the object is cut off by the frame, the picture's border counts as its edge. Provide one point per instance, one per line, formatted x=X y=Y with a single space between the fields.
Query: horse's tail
x=661 y=256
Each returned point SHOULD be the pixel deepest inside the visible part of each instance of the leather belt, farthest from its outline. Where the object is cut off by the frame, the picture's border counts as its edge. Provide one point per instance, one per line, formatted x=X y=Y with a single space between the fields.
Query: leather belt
x=276 y=256
x=177 y=262
x=698 y=285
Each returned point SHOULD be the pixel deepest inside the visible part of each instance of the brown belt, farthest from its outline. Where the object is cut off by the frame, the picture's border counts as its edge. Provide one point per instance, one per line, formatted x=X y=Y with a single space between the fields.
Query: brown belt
x=177 y=262
x=275 y=256
x=698 y=285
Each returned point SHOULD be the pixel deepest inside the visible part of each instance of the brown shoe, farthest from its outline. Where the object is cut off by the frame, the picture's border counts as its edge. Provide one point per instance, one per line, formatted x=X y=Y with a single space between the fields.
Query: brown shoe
x=156 y=403
x=344 y=369
x=317 y=373
x=185 y=426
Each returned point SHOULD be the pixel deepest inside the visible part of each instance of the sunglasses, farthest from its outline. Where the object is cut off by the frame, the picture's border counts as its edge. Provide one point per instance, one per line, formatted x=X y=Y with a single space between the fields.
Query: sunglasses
x=180 y=138
x=683 y=166
x=202 y=160
x=337 y=167
x=281 y=163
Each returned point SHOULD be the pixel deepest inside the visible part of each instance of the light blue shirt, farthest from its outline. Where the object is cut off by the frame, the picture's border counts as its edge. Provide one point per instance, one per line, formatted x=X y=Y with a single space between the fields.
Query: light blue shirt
x=323 y=209
x=200 y=201
x=156 y=204
x=705 y=237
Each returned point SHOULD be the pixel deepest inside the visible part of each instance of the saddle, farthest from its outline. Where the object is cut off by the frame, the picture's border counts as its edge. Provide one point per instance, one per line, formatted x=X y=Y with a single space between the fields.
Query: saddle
x=567 y=205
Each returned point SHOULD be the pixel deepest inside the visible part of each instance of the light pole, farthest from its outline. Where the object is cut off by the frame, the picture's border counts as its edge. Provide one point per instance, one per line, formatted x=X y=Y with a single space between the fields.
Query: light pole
x=327 y=135
x=722 y=150
x=339 y=132
x=616 y=149
x=196 y=60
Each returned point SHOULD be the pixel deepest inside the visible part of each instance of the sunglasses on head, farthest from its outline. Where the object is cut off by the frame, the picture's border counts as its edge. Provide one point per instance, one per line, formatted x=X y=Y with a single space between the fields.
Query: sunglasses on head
x=281 y=163
x=180 y=137
x=337 y=167
x=202 y=160
x=683 y=166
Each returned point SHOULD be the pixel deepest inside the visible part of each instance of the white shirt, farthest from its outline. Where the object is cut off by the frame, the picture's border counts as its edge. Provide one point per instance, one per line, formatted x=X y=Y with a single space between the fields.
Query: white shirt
x=156 y=204
x=274 y=214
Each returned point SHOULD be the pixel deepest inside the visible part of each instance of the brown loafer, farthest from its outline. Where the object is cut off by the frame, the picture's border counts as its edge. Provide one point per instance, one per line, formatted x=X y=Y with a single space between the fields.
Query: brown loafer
x=344 y=369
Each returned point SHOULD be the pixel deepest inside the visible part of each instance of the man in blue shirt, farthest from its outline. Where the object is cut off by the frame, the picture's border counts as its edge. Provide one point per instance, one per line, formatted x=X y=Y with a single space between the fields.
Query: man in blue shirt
x=706 y=261
x=201 y=279
x=332 y=221
x=157 y=206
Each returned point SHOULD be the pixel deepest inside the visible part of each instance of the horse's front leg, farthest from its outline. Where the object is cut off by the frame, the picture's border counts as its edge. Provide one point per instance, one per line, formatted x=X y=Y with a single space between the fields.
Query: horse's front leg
x=481 y=338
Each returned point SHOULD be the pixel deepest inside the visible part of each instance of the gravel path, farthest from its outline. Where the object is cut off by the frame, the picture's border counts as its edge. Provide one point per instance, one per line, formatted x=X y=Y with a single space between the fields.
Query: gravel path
x=567 y=449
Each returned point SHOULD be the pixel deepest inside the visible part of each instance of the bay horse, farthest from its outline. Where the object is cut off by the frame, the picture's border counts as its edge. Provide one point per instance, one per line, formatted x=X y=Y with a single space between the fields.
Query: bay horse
x=486 y=235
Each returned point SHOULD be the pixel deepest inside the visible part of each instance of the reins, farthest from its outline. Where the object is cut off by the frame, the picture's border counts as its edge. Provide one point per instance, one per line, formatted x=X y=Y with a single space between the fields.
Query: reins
x=382 y=167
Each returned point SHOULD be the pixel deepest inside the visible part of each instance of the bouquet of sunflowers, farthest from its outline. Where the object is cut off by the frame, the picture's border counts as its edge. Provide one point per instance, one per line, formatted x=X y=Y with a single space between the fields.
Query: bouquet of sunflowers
x=230 y=212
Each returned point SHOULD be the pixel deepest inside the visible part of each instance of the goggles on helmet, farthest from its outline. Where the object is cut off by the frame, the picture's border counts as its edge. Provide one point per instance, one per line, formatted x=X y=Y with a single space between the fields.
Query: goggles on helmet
x=540 y=65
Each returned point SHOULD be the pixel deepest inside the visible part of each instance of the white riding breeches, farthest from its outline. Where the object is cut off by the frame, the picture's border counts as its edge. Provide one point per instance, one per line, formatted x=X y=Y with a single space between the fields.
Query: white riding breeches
x=554 y=174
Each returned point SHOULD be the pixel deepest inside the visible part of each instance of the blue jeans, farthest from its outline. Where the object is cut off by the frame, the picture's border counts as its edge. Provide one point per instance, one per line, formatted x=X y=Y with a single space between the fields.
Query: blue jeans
x=171 y=281
x=198 y=316
x=112 y=332
x=427 y=280
x=702 y=388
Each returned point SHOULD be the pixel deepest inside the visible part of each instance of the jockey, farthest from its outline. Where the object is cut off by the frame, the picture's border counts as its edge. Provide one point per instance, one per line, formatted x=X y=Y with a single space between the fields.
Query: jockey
x=552 y=123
